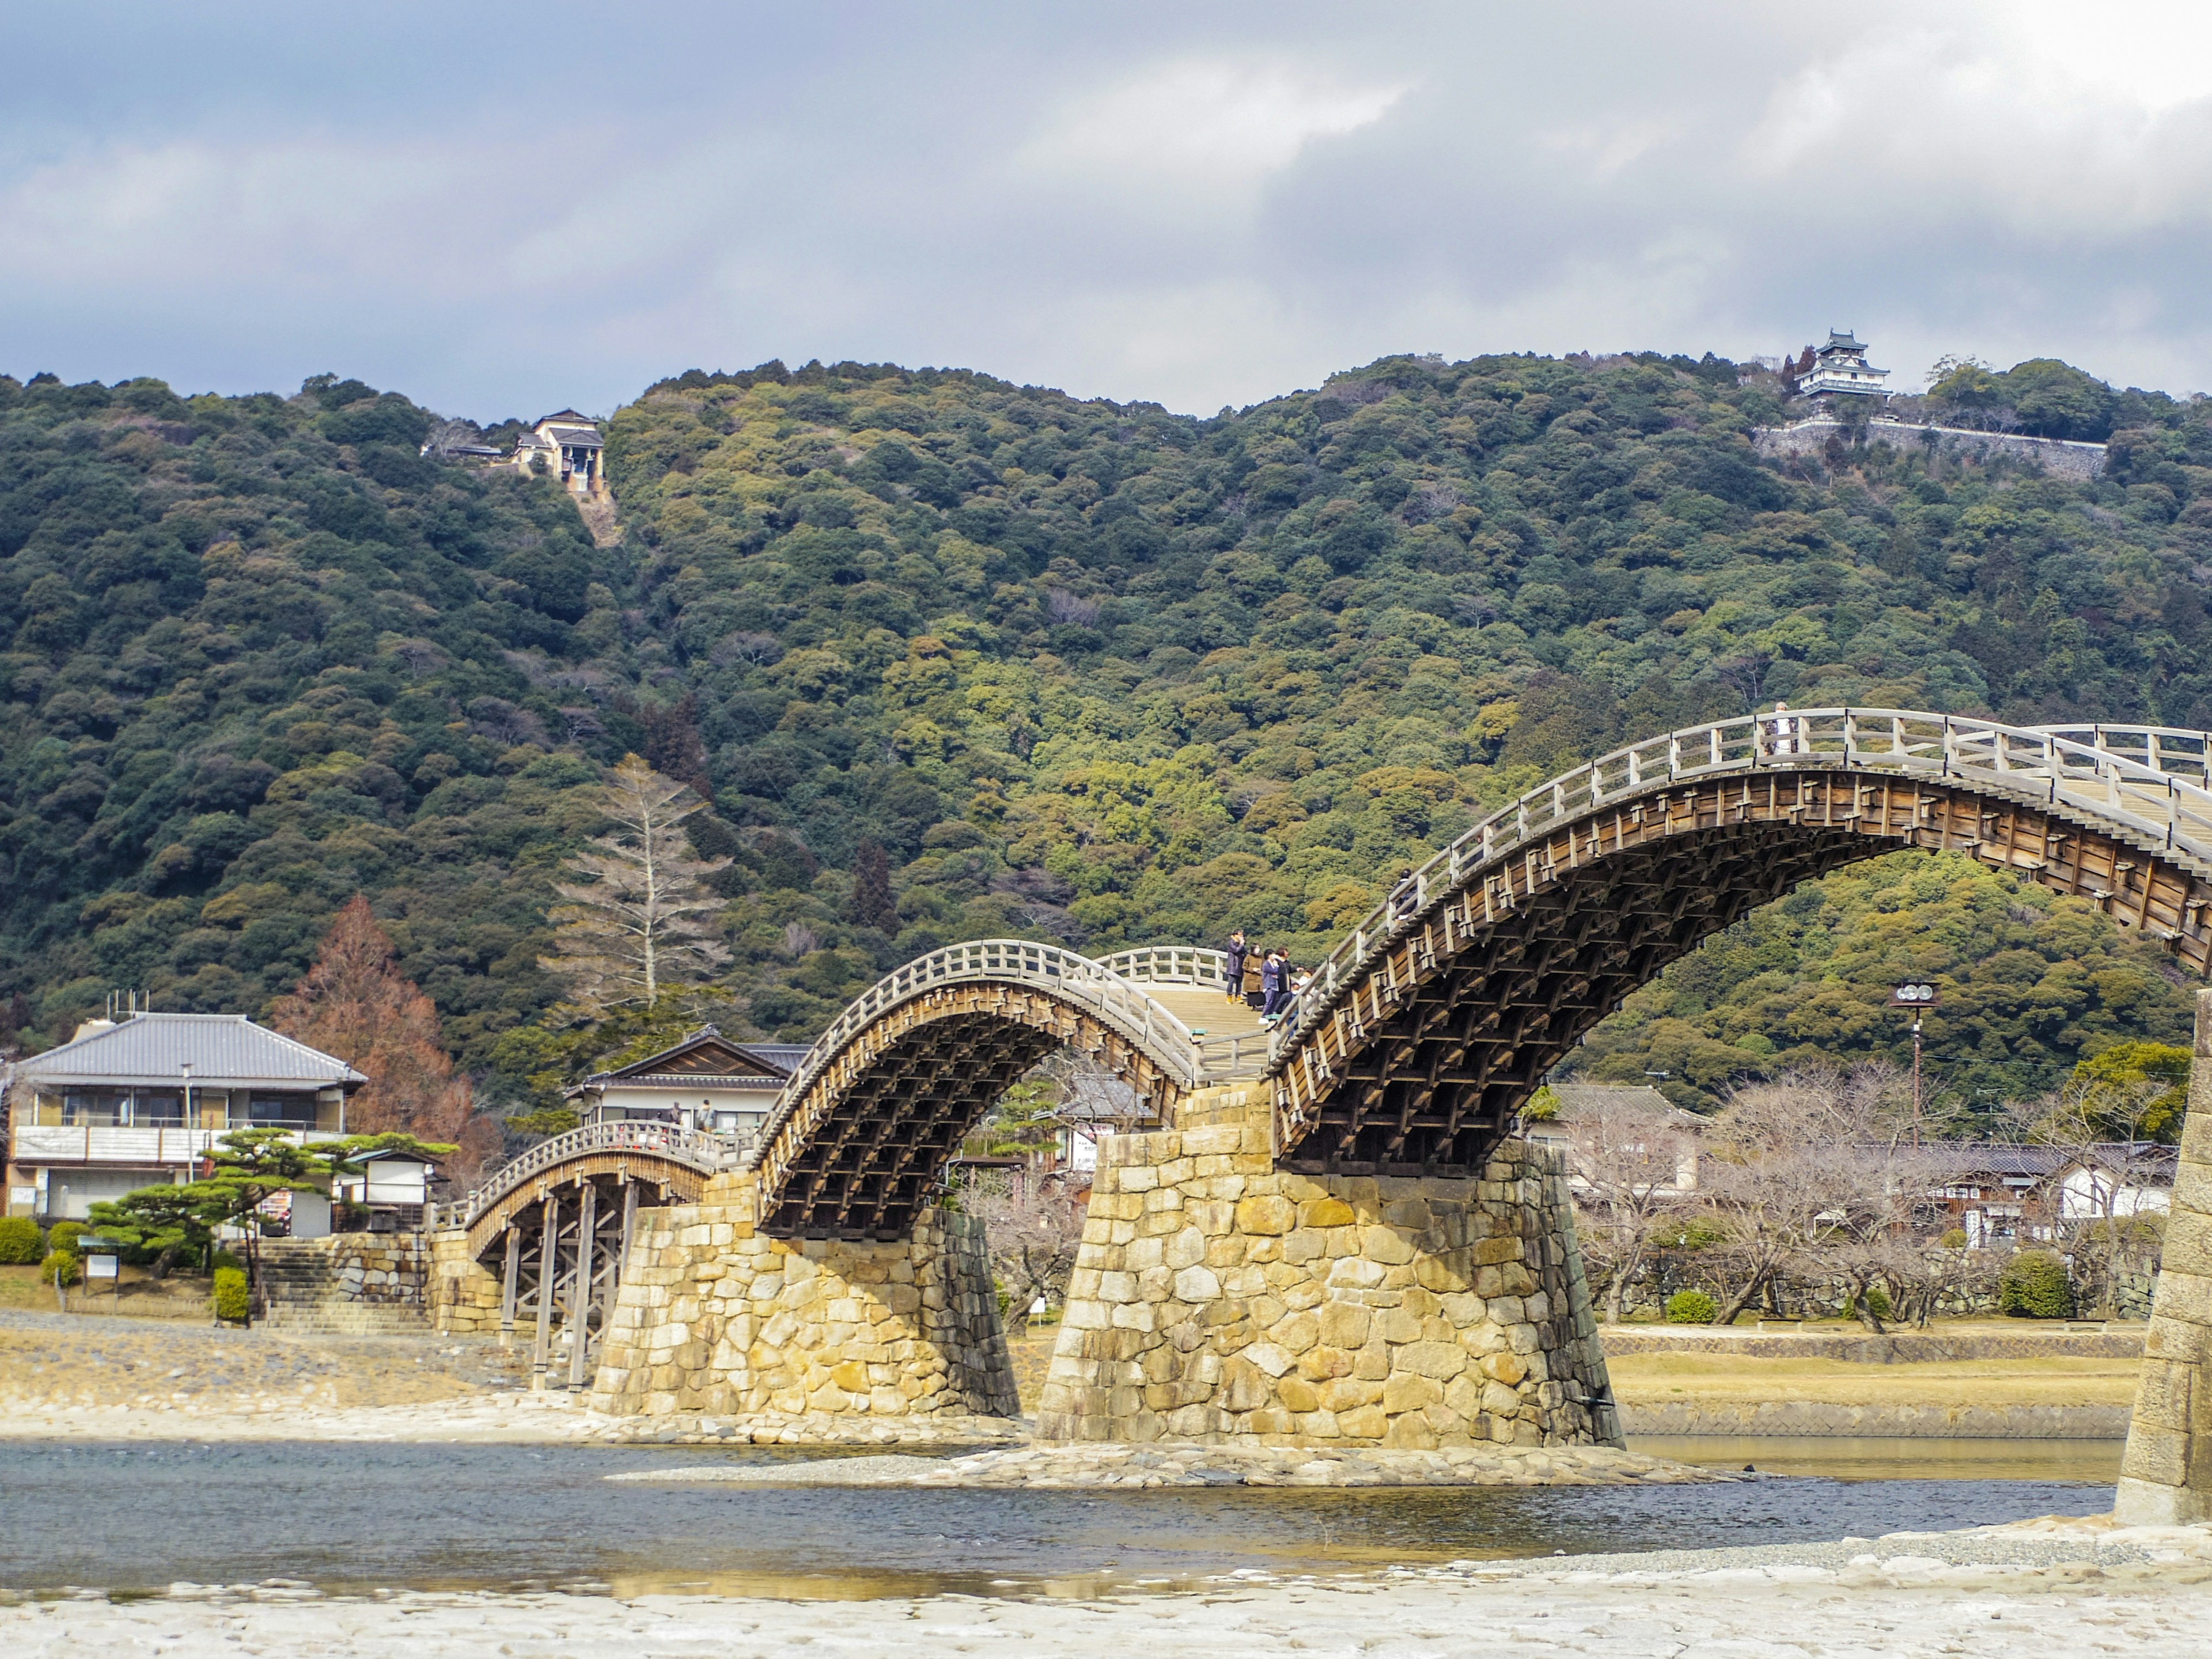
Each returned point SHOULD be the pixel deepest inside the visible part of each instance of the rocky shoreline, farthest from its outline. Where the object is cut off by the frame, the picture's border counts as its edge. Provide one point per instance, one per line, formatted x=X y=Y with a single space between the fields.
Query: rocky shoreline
x=1110 y=1466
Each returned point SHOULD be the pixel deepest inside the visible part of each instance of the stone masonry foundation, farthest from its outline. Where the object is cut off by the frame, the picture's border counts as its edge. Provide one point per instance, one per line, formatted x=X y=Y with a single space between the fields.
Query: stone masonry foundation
x=712 y=1316
x=1217 y=1298
x=2166 y=1474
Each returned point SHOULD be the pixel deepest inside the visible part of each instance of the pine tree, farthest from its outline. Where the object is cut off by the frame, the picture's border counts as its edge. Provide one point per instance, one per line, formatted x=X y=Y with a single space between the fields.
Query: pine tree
x=638 y=924
x=354 y=1003
x=873 y=904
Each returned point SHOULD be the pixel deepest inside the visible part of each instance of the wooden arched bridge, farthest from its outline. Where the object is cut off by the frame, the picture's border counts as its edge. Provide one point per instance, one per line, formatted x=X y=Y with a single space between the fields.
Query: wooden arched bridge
x=1427 y=1027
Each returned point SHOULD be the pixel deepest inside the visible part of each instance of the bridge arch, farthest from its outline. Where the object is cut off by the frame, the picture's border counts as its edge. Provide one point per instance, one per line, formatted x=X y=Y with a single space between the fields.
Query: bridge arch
x=1427 y=1028
x=866 y=1124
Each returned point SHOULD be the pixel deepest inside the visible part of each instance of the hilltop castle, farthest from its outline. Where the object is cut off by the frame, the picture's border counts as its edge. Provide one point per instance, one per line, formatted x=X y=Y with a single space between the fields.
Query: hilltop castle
x=1840 y=366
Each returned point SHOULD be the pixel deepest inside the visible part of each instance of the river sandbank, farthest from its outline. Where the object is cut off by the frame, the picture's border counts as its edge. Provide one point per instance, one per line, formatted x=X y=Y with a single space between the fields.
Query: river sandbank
x=2039 y=1590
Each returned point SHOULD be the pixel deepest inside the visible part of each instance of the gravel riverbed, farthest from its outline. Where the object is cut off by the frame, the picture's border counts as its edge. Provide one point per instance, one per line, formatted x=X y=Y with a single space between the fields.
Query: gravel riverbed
x=2051 y=1589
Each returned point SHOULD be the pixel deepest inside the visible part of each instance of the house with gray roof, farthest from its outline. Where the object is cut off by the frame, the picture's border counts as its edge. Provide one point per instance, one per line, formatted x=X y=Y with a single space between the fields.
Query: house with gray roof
x=138 y=1102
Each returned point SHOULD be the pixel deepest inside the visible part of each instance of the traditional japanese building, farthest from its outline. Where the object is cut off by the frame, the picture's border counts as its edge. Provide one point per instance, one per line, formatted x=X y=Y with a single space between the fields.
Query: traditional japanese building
x=704 y=1082
x=1840 y=366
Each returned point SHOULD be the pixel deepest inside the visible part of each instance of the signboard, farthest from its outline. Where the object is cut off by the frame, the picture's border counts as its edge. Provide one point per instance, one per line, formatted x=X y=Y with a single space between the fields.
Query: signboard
x=100 y=1267
x=1914 y=993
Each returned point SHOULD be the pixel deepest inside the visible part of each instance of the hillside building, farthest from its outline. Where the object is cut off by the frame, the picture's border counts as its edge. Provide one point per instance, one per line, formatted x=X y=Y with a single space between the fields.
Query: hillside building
x=1839 y=367
x=141 y=1102
x=567 y=446
x=705 y=1082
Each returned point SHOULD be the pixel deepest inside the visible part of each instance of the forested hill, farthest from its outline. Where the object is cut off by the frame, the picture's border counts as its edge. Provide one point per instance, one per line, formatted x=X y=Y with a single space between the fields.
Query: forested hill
x=1084 y=670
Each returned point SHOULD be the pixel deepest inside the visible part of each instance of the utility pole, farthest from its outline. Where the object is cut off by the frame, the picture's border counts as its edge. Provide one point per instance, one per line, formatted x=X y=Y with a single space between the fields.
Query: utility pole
x=1919 y=996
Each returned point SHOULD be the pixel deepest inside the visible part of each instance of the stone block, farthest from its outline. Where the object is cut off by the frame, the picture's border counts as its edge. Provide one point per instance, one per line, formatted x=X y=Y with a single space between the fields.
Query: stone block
x=1440 y=1360
x=1270 y=1357
x=1387 y=1245
x=1343 y=1324
x=1365 y=1422
x=1326 y=1212
x=1266 y=1214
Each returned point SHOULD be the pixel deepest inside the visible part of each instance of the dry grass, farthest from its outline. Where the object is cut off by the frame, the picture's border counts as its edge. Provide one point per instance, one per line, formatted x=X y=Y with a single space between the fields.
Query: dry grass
x=1675 y=1379
x=181 y=1296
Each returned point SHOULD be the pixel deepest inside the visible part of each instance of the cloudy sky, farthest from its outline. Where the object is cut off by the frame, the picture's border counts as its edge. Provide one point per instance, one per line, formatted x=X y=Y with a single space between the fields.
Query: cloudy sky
x=503 y=209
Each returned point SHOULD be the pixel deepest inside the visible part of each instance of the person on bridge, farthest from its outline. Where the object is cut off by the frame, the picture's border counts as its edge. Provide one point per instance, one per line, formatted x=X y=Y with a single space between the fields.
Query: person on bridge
x=1233 y=970
x=1275 y=985
x=1783 y=729
x=1406 y=896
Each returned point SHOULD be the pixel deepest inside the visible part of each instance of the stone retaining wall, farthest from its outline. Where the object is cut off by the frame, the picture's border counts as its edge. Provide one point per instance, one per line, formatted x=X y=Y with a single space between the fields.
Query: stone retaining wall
x=2057 y=458
x=714 y=1317
x=1217 y=1298
x=465 y=1294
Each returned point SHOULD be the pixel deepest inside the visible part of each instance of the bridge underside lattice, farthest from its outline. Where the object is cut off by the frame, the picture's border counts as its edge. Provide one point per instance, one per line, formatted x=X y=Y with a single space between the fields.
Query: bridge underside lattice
x=1420 y=1069
x=866 y=1147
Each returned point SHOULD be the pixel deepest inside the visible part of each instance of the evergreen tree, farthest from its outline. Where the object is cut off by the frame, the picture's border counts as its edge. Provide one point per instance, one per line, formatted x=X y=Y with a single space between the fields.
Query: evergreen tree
x=639 y=923
x=354 y=1003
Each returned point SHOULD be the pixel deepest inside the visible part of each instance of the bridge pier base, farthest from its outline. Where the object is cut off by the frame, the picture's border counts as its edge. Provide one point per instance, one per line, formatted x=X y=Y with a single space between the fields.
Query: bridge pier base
x=713 y=1316
x=2166 y=1475
x=1218 y=1298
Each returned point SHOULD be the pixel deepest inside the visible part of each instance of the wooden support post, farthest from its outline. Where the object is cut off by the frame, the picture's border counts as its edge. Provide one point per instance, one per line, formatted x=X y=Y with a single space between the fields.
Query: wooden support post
x=622 y=1260
x=579 y=1297
x=549 y=1256
x=507 y=1287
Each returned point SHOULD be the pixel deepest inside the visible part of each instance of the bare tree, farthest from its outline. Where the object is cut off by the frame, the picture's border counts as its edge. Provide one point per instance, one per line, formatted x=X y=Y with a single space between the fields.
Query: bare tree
x=1810 y=1175
x=448 y=435
x=636 y=924
x=1627 y=1158
x=1033 y=1225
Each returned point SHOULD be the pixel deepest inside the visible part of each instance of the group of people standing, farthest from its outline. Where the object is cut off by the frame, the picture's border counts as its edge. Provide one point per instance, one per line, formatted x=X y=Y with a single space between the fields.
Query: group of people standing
x=1278 y=984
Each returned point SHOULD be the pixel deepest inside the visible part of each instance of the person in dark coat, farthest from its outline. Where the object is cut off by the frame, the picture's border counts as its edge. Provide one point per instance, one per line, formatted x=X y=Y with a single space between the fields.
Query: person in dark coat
x=1275 y=985
x=1233 y=970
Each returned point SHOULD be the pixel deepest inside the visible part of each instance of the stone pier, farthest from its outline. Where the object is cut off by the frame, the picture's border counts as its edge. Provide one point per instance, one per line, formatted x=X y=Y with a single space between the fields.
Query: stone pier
x=2166 y=1476
x=1217 y=1299
x=714 y=1317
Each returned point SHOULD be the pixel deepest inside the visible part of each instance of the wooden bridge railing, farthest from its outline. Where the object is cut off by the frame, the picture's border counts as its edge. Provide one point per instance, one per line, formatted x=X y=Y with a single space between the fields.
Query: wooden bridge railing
x=1220 y=1058
x=2154 y=781
x=697 y=1149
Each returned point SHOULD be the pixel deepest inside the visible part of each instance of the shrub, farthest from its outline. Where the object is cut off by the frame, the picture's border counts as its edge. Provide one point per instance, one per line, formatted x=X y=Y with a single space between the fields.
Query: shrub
x=230 y=1295
x=63 y=1236
x=1877 y=1301
x=2035 y=1286
x=20 y=1243
x=222 y=1259
x=64 y=1266
x=1692 y=1308
x=1954 y=1239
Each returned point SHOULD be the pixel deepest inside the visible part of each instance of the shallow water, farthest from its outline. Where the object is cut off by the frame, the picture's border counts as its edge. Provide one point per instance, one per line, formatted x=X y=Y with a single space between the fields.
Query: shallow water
x=353 y=1517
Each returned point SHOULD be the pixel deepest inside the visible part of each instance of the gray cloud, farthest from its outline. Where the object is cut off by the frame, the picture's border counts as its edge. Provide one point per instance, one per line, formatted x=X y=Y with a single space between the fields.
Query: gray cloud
x=498 y=212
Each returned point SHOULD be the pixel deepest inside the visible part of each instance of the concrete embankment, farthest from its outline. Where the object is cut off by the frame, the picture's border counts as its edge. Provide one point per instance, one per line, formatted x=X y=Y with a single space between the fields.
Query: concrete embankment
x=1965 y=1381
x=1794 y=1417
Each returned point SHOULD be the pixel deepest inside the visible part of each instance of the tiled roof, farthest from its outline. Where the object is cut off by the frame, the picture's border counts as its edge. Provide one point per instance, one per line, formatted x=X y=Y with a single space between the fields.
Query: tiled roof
x=222 y=1049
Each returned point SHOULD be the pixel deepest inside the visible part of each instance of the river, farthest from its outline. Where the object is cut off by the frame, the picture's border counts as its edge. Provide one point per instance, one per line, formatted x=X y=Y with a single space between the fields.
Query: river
x=354 y=1517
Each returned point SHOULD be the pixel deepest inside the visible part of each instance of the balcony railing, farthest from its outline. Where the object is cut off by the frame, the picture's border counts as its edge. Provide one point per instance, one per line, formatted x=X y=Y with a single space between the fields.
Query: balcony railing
x=94 y=1143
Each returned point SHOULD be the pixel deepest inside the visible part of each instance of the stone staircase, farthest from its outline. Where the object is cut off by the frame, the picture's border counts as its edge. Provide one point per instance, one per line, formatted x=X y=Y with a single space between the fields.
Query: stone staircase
x=350 y=1284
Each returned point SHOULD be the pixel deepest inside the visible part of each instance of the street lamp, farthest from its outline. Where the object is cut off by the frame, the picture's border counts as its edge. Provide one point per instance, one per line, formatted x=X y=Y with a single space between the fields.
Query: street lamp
x=1919 y=996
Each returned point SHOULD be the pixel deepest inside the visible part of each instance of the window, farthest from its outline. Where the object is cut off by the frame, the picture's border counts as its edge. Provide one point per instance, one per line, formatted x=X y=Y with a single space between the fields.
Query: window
x=280 y=1111
x=153 y=1110
x=100 y=1109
